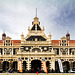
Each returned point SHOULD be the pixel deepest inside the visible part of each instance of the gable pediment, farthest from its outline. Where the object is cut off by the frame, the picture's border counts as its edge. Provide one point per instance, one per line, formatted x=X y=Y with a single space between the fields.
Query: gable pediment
x=39 y=38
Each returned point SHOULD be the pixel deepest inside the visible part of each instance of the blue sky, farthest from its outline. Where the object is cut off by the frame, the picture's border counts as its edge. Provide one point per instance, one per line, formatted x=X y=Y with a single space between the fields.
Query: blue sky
x=57 y=16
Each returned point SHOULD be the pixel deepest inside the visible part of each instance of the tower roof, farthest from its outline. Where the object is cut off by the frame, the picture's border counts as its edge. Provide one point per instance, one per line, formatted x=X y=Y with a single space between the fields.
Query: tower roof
x=3 y=34
x=67 y=34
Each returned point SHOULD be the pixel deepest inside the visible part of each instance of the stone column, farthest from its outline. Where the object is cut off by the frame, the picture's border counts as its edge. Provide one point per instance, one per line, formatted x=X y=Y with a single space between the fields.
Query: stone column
x=3 y=51
x=41 y=65
x=1 y=65
x=28 y=64
x=53 y=64
x=68 y=51
x=12 y=51
x=22 y=66
x=10 y=64
x=71 y=64
x=59 y=51
x=50 y=65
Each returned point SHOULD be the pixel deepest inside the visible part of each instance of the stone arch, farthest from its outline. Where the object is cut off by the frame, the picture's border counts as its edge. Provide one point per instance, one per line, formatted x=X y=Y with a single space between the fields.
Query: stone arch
x=66 y=66
x=48 y=65
x=36 y=48
x=24 y=66
x=74 y=64
x=15 y=65
x=5 y=65
x=36 y=64
x=57 y=67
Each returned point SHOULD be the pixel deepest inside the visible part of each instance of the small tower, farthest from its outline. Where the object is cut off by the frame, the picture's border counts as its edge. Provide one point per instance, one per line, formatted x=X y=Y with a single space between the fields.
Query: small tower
x=22 y=36
x=68 y=36
x=3 y=36
x=49 y=36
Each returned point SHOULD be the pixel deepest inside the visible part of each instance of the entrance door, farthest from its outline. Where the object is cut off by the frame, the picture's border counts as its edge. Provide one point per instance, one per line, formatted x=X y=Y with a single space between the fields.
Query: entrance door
x=36 y=64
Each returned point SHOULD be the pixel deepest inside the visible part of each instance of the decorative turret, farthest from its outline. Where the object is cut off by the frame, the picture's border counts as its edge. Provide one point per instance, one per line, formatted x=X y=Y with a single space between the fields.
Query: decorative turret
x=68 y=36
x=36 y=33
x=36 y=23
x=22 y=36
x=3 y=36
x=49 y=36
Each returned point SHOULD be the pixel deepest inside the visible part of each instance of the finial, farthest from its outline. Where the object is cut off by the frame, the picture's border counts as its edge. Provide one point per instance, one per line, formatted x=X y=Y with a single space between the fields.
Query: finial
x=4 y=30
x=36 y=12
x=22 y=33
x=67 y=31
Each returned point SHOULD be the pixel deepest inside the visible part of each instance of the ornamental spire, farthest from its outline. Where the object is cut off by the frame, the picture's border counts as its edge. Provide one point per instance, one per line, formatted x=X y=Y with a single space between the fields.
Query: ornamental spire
x=36 y=12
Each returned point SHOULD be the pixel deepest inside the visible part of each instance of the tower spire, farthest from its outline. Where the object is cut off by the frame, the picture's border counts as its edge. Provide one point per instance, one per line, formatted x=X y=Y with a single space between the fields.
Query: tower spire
x=4 y=30
x=36 y=12
x=67 y=31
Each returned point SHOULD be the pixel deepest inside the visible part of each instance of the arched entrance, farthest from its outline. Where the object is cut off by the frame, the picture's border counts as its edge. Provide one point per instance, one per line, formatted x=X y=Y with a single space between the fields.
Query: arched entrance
x=66 y=66
x=48 y=65
x=15 y=65
x=35 y=64
x=57 y=67
x=73 y=64
x=5 y=66
x=24 y=66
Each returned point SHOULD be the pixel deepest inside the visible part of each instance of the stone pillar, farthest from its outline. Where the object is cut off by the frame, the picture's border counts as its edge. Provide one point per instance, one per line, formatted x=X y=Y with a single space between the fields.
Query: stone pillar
x=10 y=64
x=28 y=64
x=50 y=65
x=1 y=65
x=3 y=51
x=41 y=65
x=68 y=51
x=12 y=51
x=59 y=51
x=71 y=64
x=22 y=66
x=53 y=64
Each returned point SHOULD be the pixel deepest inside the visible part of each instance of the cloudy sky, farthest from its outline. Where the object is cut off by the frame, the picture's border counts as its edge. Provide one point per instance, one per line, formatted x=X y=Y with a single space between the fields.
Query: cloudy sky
x=57 y=16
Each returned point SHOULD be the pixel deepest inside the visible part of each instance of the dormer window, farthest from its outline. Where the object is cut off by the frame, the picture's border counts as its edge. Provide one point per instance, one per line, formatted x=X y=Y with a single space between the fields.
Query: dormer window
x=7 y=40
x=63 y=41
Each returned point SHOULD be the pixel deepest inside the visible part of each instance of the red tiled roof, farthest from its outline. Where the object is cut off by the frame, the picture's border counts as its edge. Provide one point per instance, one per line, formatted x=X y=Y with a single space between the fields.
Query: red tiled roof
x=1 y=41
x=72 y=41
x=16 y=41
x=55 y=41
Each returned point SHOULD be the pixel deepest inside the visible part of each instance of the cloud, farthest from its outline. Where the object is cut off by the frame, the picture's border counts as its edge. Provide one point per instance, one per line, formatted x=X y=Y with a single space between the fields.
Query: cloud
x=55 y=15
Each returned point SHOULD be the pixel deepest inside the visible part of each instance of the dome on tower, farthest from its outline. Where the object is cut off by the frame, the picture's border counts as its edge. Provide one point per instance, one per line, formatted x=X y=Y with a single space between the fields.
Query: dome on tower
x=3 y=34
x=67 y=34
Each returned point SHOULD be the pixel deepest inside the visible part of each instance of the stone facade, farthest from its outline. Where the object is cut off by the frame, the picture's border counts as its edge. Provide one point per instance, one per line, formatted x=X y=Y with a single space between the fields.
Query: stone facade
x=35 y=47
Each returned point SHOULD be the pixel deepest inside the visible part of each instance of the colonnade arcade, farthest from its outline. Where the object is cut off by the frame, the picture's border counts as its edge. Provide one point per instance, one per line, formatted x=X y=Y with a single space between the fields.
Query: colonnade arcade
x=67 y=64
x=30 y=63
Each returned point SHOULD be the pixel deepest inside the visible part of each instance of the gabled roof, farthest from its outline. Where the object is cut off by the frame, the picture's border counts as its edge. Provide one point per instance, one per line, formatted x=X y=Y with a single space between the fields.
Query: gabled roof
x=63 y=37
x=8 y=37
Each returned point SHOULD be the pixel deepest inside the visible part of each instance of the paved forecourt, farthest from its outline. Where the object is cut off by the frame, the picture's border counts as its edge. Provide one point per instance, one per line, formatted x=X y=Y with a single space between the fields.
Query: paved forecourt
x=36 y=74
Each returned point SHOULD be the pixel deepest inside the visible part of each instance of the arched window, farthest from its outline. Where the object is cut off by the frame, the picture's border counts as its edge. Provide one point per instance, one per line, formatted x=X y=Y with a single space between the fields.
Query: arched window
x=63 y=52
x=36 y=50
